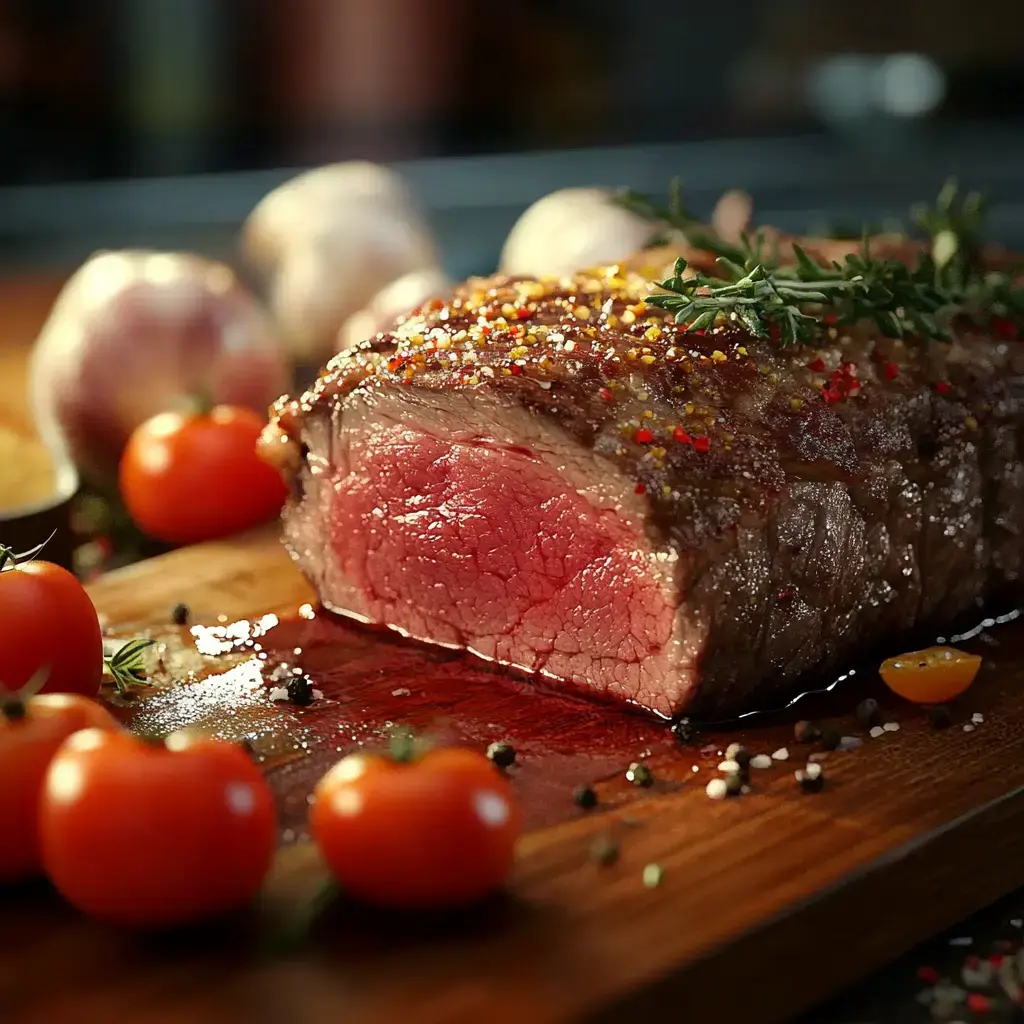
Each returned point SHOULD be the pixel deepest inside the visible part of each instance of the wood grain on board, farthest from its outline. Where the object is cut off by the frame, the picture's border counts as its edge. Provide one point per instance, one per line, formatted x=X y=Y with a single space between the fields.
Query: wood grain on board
x=768 y=902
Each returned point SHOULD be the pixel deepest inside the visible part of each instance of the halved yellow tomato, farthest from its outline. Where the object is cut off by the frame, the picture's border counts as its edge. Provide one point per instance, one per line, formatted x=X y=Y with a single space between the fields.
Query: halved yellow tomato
x=931 y=676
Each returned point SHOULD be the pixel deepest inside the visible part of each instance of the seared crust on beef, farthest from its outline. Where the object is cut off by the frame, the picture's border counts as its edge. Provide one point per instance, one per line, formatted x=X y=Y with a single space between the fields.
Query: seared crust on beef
x=825 y=499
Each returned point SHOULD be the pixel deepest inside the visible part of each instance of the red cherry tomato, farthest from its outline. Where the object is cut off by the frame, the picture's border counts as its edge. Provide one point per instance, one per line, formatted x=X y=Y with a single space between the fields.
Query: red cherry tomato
x=30 y=733
x=152 y=835
x=47 y=620
x=186 y=479
x=932 y=676
x=439 y=831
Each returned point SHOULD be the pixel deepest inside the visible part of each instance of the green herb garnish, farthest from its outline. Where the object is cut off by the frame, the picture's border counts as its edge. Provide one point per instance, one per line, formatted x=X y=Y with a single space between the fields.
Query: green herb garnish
x=127 y=665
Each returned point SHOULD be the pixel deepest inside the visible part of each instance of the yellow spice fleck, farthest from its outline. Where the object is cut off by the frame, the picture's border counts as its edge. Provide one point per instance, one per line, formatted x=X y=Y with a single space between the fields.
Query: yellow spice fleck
x=658 y=453
x=581 y=312
x=647 y=360
x=666 y=490
x=971 y=422
x=518 y=352
x=796 y=403
x=719 y=356
x=652 y=333
x=647 y=414
x=508 y=309
x=741 y=350
x=628 y=316
x=632 y=353
x=689 y=408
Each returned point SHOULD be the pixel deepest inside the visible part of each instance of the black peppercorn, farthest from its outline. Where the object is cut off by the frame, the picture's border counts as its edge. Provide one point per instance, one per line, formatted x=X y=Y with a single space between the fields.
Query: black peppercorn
x=502 y=754
x=604 y=851
x=585 y=797
x=868 y=712
x=738 y=753
x=830 y=739
x=733 y=784
x=810 y=781
x=806 y=732
x=683 y=730
x=300 y=691
x=940 y=717
x=639 y=774
x=180 y=614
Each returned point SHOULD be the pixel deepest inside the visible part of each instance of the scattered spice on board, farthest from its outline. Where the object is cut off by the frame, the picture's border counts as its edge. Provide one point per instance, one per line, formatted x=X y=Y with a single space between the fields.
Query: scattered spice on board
x=782 y=754
x=604 y=851
x=717 y=789
x=683 y=731
x=502 y=754
x=652 y=876
x=876 y=731
x=639 y=774
x=739 y=754
x=969 y=727
x=760 y=761
x=830 y=739
x=977 y=718
x=891 y=727
x=811 y=779
x=300 y=691
x=585 y=797
x=806 y=732
x=868 y=712
x=180 y=614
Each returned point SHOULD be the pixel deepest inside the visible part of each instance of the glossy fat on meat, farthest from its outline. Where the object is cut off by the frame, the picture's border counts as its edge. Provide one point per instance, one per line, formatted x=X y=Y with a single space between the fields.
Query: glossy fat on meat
x=550 y=474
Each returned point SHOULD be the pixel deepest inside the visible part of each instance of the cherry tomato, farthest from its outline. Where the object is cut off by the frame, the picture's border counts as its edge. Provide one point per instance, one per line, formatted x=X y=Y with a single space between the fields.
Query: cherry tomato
x=931 y=676
x=47 y=619
x=30 y=733
x=155 y=834
x=189 y=478
x=439 y=831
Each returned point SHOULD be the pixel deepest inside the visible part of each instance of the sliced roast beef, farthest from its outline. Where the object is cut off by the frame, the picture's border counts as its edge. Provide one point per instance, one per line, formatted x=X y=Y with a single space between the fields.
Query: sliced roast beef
x=554 y=476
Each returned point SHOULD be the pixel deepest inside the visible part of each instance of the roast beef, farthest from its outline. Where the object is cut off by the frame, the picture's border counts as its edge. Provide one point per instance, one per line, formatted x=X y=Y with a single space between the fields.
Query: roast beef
x=553 y=476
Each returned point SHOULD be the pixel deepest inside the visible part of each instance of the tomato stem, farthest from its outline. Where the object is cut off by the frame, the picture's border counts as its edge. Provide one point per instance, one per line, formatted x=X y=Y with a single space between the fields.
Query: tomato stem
x=14 y=557
x=12 y=705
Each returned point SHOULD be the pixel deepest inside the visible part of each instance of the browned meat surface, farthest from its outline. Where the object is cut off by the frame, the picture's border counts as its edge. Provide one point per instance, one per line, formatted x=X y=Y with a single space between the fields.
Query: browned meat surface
x=552 y=475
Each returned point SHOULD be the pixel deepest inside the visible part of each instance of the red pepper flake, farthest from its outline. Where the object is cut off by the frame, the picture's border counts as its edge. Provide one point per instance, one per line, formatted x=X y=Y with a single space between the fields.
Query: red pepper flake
x=784 y=594
x=516 y=369
x=830 y=395
x=928 y=975
x=486 y=329
x=523 y=313
x=817 y=365
x=640 y=489
x=643 y=436
x=1005 y=329
x=831 y=318
x=977 y=1003
x=943 y=387
x=435 y=304
x=774 y=332
x=681 y=436
x=701 y=444
x=891 y=371
x=606 y=395
x=395 y=363
x=996 y=960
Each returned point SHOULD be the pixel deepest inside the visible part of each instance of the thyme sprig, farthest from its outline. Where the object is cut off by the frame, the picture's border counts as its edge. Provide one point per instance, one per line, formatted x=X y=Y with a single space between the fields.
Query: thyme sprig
x=788 y=302
x=896 y=297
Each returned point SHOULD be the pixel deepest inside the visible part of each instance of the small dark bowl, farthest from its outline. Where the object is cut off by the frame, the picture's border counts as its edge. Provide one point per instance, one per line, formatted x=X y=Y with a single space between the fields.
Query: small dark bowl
x=22 y=529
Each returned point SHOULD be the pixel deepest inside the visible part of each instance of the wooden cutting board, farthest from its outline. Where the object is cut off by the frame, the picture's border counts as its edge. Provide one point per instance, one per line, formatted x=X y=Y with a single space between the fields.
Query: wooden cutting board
x=768 y=902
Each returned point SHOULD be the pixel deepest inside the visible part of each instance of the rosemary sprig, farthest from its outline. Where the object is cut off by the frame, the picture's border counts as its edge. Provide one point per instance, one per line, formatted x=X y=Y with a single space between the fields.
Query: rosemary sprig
x=955 y=228
x=127 y=664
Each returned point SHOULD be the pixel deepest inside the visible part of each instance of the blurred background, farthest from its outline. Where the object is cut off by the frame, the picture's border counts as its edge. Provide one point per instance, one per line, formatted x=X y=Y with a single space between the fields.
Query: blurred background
x=820 y=110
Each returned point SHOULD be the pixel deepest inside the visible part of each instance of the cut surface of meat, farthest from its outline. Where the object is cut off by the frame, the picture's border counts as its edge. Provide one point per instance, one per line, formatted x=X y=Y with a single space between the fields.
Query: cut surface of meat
x=554 y=476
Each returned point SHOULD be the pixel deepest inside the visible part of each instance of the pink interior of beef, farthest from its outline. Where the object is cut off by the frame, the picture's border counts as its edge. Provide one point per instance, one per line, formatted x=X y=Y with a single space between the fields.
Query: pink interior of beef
x=475 y=544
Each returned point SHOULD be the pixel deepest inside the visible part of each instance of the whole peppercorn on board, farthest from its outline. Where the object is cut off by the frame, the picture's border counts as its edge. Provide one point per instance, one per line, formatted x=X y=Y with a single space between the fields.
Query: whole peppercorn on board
x=657 y=900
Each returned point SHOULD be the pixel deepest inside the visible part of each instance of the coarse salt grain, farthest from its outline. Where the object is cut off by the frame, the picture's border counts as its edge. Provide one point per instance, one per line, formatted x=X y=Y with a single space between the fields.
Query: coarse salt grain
x=891 y=727
x=961 y=940
x=716 y=789
x=729 y=766
x=968 y=727
x=695 y=768
x=819 y=755
x=876 y=731
x=782 y=754
x=318 y=694
x=278 y=693
x=760 y=761
x=813 y=770
x=977 y=719
x=402 y=691
x=850 y=743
